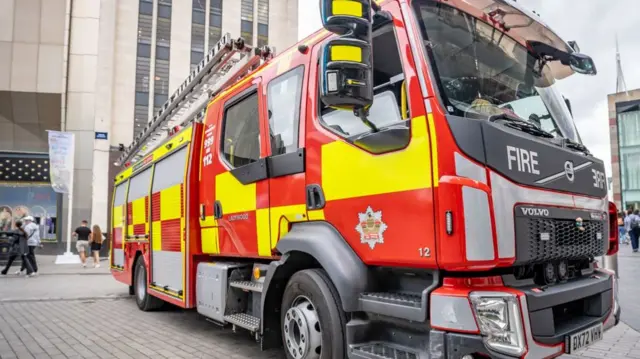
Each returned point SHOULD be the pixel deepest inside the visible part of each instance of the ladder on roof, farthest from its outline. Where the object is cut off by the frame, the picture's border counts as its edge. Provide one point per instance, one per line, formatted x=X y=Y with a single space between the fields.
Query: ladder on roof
x=227 y=62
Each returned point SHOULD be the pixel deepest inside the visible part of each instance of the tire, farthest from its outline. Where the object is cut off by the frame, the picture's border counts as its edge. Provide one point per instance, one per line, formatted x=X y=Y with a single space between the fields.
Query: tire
x=307 y=292
x=145 y=301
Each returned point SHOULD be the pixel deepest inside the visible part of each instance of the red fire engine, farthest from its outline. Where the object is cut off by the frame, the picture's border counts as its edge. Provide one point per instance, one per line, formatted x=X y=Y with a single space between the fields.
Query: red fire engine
x=406 y=183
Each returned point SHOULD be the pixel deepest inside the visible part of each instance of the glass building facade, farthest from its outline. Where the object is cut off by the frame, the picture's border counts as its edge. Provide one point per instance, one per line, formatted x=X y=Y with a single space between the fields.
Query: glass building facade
x=628 y=120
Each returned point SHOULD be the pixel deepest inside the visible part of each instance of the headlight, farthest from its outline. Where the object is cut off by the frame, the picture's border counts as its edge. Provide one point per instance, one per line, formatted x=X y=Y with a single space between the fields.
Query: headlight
x=498 y=316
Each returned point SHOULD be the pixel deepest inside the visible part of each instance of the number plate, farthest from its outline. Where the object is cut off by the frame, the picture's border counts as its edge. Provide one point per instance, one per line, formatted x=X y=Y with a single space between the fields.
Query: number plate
x=583 y=338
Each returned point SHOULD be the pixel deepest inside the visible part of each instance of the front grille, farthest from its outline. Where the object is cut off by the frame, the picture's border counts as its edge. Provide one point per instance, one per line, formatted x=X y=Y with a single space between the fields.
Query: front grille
x=542 y=239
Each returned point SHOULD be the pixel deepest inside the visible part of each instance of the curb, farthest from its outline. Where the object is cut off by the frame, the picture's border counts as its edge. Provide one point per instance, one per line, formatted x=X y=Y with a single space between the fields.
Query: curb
x=60 y=299
x=49 y=274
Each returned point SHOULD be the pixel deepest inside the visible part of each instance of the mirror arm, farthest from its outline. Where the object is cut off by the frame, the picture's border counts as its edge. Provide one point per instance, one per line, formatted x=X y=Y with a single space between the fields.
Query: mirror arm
x=362 y=114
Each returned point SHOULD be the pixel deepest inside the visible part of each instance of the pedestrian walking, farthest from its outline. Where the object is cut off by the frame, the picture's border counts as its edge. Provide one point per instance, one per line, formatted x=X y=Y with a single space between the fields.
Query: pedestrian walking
x=82 y=234
x=19 y=247
x=33 y=241
x=635 y=229
x=96 y=245
x=622 y=232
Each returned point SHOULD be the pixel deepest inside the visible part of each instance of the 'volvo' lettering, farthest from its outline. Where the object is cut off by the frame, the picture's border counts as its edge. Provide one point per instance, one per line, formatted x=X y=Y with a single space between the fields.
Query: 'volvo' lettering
x=540 y=212
x=526 y=161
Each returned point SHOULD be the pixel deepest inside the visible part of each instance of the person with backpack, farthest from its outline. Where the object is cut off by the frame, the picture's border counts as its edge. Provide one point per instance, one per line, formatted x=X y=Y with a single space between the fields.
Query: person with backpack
x=19 y=247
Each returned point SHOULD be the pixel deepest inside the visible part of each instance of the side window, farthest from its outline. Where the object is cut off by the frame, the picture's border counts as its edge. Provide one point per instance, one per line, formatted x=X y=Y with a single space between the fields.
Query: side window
x=120 y=194
x=388 y=82
x=241 y=132
x=283 y=97
x=170 y=170
x=139 y=186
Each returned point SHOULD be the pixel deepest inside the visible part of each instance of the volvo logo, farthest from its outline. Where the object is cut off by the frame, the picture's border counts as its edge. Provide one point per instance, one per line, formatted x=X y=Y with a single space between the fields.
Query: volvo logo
x=540 y=212
x=568 y=171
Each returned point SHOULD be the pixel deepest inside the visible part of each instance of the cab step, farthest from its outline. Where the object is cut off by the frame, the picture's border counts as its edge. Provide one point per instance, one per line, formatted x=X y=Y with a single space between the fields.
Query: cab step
x=243 y=320
x=397 y=305
x=382 y=350
x=247 y=285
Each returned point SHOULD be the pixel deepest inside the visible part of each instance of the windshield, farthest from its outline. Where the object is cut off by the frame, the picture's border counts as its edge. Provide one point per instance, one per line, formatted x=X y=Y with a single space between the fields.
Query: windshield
x=484 y=72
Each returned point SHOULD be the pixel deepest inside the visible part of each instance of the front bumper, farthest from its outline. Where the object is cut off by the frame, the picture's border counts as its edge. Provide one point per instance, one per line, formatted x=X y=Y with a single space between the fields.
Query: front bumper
x=453 y=340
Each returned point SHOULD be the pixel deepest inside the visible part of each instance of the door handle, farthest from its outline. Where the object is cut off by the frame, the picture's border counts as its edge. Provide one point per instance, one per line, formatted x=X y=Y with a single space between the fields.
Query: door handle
x=217 y=210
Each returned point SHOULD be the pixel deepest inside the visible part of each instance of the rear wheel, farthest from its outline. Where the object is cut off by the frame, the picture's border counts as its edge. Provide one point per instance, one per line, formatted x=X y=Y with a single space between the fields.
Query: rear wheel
x=145 y=301
x=312 y=319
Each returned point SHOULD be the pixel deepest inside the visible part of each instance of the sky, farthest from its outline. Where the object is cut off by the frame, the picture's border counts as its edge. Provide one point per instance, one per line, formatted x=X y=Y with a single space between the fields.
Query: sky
x=594 y=24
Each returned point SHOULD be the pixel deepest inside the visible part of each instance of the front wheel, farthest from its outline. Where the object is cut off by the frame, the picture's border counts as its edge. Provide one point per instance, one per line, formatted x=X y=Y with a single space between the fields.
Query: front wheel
x=145 y=301
x=312 y=319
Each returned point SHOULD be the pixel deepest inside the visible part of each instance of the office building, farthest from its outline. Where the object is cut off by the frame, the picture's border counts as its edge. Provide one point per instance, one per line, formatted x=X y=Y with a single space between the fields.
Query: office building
x=624 y=126
x=99 y=69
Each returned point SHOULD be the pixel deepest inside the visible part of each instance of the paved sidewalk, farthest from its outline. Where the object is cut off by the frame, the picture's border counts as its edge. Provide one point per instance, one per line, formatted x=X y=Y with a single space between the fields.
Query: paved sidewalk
x=621 y=342
x=71 y=312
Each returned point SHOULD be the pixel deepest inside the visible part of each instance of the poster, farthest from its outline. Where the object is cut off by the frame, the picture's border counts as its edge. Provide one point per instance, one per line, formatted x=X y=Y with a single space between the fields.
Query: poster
x=40 y=202
x=61 y=157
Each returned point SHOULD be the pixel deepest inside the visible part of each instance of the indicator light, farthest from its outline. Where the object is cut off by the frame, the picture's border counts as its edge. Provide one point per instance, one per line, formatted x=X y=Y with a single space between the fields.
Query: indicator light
x=449 y=222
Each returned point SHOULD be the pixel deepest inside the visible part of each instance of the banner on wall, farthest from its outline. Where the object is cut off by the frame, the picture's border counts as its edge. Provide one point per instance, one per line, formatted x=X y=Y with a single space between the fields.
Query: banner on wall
x=61 y=157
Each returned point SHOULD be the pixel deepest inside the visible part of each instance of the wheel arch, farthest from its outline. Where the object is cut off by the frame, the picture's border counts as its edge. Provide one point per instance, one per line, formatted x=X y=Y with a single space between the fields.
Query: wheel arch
x=312 y=245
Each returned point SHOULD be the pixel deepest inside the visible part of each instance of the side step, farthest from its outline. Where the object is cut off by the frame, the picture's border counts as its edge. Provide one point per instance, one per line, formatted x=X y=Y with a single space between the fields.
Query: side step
x=247 y=285
x=381 y=350
x=397 y=305
x=244 y=320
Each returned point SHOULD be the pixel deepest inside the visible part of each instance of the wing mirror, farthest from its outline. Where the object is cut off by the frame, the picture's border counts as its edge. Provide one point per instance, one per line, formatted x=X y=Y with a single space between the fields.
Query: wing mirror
x=346 y=62
x=582 y=64
x=346 y=80
x=343 y=17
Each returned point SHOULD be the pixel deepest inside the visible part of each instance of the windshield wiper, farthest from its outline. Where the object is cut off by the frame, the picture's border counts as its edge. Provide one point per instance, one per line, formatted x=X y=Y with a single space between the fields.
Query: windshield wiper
x=576 y=146
x=522 y=125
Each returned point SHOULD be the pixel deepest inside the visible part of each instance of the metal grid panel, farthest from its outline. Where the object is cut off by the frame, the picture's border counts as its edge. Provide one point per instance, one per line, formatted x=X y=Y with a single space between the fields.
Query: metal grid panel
x=163 y=32
x=161 y=84
x=145 y=28
x=553 y=239
x=246 y=10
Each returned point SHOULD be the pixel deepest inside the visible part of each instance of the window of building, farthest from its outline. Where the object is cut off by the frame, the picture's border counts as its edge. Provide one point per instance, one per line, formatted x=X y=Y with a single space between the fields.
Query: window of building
x=139 y=185
x=120 y=195
x=215 y=22
x=164 y=9
x=388 y=80
x=145 y=28
x=283 y=97
x=263 y=22
x=142 y=98
x=246 y=21
x=163 y=32
x=198 y=29
x=143 y=65
x=170 y=170
x=144 y=50
x=141 y=117
x=241 y=129
x=146 y=7
x=163 y=42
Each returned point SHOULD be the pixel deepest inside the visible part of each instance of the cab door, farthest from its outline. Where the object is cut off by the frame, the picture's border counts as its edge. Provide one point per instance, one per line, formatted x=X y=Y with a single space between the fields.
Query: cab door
x=241 y=188
x=286 y=161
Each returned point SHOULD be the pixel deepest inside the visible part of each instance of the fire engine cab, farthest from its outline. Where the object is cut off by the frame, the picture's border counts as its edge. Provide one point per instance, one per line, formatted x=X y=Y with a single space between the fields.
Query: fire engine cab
x=407 y=182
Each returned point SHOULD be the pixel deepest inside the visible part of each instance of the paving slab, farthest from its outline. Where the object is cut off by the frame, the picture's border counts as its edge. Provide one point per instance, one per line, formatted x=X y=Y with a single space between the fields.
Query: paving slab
x=69 y=314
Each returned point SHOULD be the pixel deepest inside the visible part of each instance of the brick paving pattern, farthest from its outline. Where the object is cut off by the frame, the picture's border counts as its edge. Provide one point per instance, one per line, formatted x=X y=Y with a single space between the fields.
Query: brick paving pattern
x=42 y=318
x=62 y=329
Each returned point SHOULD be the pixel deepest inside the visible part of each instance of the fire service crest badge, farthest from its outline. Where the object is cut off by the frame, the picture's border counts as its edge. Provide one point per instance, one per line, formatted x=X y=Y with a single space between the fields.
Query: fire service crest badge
x=371 y=227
